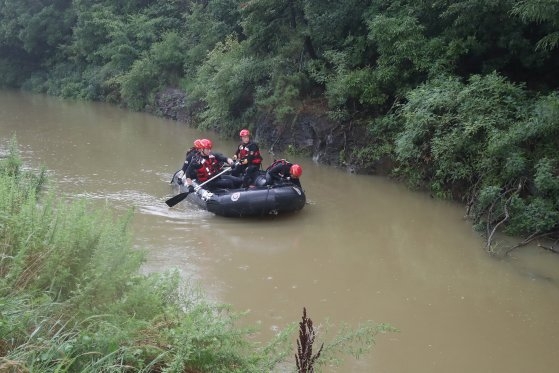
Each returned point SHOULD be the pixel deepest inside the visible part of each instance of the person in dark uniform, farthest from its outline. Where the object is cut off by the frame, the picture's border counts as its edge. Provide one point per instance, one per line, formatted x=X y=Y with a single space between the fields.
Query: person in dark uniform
x=193 y=151
x=282 y=170
x=205 y=165
x=248 y=158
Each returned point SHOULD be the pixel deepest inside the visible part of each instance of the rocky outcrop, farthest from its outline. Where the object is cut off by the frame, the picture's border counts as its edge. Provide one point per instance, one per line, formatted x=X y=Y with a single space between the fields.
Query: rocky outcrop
x=310 y=131
x=171 y=103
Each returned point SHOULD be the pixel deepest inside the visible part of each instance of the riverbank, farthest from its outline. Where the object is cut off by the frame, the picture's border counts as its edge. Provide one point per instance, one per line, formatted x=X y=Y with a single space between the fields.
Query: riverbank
x=310 y=131
x=363 y=241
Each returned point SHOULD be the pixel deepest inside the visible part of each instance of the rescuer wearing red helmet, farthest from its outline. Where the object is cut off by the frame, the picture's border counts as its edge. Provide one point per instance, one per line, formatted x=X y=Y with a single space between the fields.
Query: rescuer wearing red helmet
x=295 y=171
x=282 y=170
x=206 y=164
x=249 y=158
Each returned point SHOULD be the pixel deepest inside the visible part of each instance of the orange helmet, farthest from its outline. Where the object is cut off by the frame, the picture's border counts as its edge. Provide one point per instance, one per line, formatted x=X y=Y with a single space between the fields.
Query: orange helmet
x=198 y=144
x=296 y=171
x=244 y=132
x=206 y=144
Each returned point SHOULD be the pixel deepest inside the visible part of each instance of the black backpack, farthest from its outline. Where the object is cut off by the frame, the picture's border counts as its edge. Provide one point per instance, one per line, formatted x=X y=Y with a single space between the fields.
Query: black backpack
x=275 y=163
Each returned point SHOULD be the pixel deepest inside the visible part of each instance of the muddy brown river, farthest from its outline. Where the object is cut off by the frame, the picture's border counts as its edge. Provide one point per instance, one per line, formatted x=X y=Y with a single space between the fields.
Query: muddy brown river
x=363 y=248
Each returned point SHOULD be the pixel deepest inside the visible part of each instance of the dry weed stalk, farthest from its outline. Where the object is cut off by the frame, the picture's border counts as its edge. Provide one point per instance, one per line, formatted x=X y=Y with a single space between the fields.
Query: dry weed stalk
x=304 y=358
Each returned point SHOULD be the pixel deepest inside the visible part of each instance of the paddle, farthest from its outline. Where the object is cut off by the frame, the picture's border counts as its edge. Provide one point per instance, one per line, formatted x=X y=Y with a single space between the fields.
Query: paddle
x=173 y=177
x=179 y=197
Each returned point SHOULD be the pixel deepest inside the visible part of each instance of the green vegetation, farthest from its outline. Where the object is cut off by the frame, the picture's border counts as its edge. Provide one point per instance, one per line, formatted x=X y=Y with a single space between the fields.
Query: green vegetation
x=460 y=95
x=489 y=141
x=72 y=298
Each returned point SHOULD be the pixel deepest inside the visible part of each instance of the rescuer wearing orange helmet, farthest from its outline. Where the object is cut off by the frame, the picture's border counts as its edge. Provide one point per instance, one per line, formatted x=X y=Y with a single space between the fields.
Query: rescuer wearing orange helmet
x=282 y=170
x=249 y=158
x=190 y=153
x=206 y=165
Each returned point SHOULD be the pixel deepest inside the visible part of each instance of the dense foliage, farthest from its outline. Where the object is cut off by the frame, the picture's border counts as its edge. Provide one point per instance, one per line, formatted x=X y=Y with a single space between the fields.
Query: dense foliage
x=460 y=94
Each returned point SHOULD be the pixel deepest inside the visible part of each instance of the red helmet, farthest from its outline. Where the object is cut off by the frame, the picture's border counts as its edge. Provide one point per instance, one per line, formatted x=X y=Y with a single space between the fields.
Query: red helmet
x=244 y=132
x=206 y=144
x=296 y=171
x=198 y=144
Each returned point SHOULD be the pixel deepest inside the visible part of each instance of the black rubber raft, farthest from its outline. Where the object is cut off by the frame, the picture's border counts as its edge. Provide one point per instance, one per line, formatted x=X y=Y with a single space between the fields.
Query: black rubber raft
x=258 y=200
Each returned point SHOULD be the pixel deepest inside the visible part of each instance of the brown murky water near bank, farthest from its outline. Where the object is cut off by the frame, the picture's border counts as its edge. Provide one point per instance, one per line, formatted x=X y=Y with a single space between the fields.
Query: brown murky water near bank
x=364 y=248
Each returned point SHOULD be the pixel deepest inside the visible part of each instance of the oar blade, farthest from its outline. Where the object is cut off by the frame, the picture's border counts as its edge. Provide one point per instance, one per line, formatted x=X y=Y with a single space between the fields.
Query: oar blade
x=176 y=199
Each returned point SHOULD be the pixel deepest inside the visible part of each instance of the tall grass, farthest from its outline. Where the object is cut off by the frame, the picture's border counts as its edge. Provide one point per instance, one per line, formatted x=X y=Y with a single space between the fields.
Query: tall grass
x=72 y=298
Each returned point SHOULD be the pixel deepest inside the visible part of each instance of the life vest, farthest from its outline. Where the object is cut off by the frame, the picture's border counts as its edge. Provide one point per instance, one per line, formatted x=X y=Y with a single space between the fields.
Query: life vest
x=208 y=167
x=243 y=152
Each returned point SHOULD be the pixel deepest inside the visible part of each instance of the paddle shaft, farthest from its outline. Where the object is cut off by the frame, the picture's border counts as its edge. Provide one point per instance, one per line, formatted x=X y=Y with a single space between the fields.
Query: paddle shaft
x=179 y=197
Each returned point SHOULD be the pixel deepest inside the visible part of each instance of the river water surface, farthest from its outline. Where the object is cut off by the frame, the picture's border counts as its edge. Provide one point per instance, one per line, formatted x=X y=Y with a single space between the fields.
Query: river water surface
x=363 y=248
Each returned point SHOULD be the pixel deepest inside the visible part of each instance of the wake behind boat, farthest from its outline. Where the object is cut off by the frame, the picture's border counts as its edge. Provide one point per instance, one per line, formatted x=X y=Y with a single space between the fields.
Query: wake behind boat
x=258 y=200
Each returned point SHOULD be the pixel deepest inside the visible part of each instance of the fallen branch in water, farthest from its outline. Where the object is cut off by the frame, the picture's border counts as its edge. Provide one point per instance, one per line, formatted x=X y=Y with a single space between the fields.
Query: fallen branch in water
x=550 y=248
x=537 y=236
x=502 y=221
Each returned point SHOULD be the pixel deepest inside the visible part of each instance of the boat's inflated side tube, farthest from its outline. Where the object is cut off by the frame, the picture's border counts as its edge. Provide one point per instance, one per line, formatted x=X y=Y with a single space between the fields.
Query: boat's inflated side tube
x=251 y=202
x=262 y=199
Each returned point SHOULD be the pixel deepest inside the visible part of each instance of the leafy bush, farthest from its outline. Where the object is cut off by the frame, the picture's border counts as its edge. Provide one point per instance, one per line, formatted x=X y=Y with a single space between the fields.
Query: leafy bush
x=160 y=66
x=487 y=141
x=226 y=83
x=10 y=74
x=546 y=179
x=448 y=127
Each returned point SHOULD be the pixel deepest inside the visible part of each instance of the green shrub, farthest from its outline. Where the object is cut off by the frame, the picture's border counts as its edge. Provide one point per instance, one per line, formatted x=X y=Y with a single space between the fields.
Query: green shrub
x=160 y=66
x=487 y=141
x=226 y=83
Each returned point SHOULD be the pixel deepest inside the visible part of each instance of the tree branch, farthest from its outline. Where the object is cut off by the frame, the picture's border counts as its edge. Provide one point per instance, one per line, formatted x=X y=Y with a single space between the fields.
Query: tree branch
x=536 y=236
x=513 y=192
